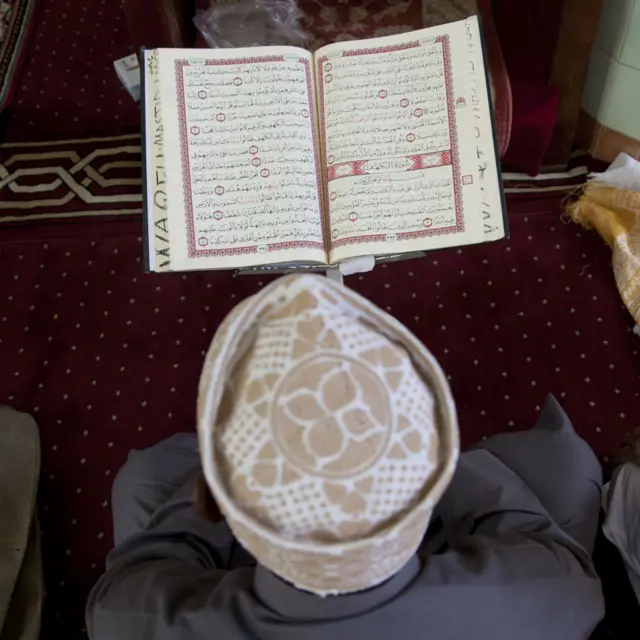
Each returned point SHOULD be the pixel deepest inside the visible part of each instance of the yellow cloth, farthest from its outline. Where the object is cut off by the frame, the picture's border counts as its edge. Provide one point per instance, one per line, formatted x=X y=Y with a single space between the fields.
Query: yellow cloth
x=615 y=214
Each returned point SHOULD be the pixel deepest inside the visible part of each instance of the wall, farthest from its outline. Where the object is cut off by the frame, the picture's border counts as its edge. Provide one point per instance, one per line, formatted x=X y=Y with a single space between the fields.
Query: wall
x=612 y=91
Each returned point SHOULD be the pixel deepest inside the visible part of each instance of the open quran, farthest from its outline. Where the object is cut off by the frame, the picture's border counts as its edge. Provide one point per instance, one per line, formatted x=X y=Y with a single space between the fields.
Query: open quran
x=279 y=156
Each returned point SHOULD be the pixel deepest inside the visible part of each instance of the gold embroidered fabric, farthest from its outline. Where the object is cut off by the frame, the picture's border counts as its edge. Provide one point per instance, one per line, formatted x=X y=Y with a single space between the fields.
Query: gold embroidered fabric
x=615 y=214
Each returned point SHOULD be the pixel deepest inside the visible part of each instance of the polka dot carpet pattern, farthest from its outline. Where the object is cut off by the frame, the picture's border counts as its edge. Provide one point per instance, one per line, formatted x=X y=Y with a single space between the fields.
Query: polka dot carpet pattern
x=107 y=358
x=16 y=22
x=67 y=86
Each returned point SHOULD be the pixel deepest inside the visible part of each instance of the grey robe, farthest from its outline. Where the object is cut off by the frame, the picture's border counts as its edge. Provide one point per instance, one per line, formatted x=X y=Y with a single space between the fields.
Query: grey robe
x=507 y=556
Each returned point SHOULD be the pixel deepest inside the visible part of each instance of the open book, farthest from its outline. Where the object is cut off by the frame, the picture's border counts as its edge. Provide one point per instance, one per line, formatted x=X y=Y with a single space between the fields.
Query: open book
x=274 y=155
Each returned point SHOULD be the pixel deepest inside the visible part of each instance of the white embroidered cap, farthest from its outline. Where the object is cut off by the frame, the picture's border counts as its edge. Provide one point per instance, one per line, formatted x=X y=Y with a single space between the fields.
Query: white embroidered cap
x=327 y=434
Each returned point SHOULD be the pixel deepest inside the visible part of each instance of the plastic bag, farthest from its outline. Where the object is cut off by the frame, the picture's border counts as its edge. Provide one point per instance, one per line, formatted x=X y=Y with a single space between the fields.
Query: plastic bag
x=251 y=23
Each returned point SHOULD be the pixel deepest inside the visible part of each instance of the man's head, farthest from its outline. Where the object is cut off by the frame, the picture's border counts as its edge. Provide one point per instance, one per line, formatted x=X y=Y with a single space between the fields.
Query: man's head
x=327 y=434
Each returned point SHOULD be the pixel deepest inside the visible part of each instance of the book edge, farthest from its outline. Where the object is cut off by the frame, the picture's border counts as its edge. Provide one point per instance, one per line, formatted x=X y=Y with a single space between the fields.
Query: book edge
x=146 y=253
x=496 y=149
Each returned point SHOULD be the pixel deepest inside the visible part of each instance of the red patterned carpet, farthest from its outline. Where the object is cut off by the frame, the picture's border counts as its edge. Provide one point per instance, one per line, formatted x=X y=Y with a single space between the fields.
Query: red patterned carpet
x=107 y=358
x=68 y=87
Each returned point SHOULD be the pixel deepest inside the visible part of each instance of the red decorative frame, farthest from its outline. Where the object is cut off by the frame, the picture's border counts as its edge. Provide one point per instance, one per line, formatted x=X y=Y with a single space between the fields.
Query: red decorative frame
x=192 y=249
x=356 y=167
x=453 y=143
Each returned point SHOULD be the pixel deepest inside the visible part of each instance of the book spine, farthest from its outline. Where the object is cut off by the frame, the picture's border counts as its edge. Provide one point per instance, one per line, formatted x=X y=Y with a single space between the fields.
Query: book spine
x=145 y=172
x=156 y=224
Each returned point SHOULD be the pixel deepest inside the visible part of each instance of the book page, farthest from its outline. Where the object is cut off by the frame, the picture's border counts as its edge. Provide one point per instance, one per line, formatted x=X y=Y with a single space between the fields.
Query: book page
x=410 y=161
x=241 y=157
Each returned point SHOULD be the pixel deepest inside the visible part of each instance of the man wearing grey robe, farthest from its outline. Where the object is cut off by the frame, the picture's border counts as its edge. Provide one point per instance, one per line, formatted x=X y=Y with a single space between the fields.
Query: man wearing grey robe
x=507 y=556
